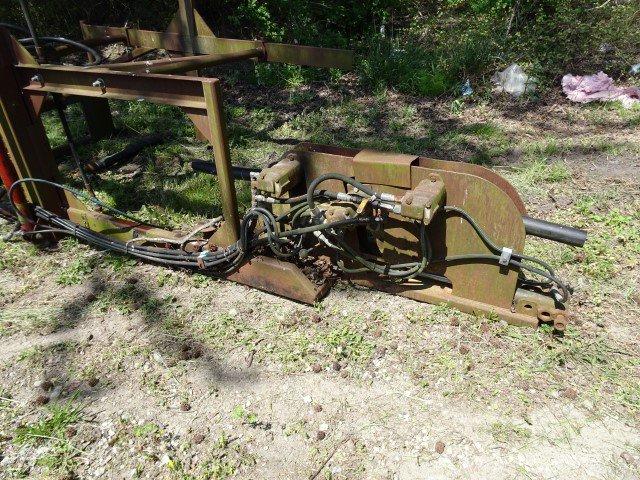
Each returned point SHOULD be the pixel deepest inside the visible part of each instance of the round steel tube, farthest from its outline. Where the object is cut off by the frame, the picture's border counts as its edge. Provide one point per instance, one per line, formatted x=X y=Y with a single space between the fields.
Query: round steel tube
x=554 y=231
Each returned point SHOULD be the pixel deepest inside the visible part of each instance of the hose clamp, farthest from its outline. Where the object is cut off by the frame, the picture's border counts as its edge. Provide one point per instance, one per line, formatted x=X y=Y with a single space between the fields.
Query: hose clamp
x=505 y=256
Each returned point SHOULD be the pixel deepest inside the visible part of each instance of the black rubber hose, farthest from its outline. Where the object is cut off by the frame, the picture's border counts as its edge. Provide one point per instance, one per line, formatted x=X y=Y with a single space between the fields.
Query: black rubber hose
x=334 y=176
x=97 y=58
x=117 y=159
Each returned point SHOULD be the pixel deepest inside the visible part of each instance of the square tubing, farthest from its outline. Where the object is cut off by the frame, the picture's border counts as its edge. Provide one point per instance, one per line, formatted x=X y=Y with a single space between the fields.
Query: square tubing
x=97 y=112
x=187 y=24
x=222 y=158
x=23 y=134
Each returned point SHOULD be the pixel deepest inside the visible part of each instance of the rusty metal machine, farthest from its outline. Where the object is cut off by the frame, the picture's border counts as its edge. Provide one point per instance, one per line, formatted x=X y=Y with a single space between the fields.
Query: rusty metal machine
x=432 y=230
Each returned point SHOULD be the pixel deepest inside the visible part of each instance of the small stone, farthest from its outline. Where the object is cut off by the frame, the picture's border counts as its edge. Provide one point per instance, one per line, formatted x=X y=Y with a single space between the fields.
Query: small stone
x=464 y=349
x=344 y=374
x=393 y=345
x=93 y=381
x=336 y=366
x=484 y=327
x=315 y=318
x=70 y=432
x=46 y=385
x=73 y=386
x=379 y=352
x=317 y=408
x=198 y=438
x=377 y=333
x=185 y=407
x=630 y=459
x=317 y=368
x=41 y=400
x=132 y=280
x=454 y=321
x=321 y=435
x=570 y=393
x=439 y=447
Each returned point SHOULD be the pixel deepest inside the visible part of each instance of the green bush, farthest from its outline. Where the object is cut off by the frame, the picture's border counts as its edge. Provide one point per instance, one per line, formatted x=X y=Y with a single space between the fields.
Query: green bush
x=424 y=47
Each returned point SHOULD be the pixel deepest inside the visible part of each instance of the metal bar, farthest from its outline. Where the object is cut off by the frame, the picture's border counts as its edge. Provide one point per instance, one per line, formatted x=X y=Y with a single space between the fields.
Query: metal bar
x=130 y=151
x=97 y=82
x=97 y=114
x=32 y=31
x=554 y=231
x=23 y=133
x=239 y=173
x=187 y=24
x=183 y=64
x=72 y=146
x=222 y=158
x=205 y=44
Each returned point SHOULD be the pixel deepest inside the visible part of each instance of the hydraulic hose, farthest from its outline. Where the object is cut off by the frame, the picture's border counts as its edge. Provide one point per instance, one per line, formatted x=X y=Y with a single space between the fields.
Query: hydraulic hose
x=97 y=58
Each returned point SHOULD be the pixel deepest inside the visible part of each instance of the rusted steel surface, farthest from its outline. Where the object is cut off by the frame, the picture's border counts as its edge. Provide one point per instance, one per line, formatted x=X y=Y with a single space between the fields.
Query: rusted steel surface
x=183 y=64
x=100 y=83
x=222 y=158
x=119 y=229
x=281 y=278
x=22 y=132
x=477 y=283
x=204 y=44
x=383 y=168
x=478 y=171
x=97 y=114
x=439 y=294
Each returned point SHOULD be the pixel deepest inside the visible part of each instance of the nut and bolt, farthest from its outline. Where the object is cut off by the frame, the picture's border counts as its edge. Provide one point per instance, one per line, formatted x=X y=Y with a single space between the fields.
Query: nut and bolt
x=99 y=83
x=38 y=79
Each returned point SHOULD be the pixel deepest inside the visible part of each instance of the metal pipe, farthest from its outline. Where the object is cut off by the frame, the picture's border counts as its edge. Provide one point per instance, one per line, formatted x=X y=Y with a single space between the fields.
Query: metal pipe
x=238 y=173
x=72 y=146
x=116 y=159
x=32 y=31
x=184 y=64
x=554 y=231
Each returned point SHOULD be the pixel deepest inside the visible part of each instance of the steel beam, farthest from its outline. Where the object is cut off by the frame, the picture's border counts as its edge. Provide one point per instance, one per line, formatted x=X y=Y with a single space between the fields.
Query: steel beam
x=183 y=64
x=101 y=83
x=204 y=44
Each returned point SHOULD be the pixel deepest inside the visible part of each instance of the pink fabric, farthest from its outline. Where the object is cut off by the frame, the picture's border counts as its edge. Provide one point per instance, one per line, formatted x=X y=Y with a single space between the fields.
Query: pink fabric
x=589 y=88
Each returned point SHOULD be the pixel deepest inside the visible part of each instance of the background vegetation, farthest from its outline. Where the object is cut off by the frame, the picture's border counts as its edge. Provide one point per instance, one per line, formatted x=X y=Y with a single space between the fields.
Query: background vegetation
x=421 y=47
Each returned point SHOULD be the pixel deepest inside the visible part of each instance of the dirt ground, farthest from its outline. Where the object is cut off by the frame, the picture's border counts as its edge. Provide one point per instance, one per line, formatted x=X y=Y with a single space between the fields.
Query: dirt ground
x=111 y=368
